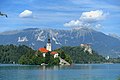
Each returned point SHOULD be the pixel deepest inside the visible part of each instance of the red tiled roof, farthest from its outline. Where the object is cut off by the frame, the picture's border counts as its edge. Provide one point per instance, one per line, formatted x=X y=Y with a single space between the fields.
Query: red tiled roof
x=53 y=53
x=43 y=50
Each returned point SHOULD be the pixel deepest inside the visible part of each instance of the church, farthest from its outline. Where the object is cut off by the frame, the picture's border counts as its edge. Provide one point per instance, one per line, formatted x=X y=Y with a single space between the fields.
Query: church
x=48 y=45
x=48 y=48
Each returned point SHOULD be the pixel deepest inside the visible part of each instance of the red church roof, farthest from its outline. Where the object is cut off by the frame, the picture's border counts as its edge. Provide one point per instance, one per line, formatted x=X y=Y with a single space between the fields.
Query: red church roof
x=43 y=50
x=53 y=53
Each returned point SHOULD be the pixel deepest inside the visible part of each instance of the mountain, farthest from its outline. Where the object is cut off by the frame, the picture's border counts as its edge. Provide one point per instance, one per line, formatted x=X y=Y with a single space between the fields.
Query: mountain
x=34 y=37
x=115 y=36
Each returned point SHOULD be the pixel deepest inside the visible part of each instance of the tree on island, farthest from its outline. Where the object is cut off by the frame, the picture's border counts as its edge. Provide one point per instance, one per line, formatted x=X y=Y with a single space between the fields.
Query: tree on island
x=25 y=55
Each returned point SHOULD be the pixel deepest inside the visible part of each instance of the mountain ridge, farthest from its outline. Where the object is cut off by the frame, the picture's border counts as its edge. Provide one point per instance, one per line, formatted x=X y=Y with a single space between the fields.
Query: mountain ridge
x=34 y=37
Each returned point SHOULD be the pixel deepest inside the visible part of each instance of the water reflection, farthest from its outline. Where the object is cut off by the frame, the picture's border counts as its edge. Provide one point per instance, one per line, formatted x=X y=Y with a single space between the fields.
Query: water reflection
x=73 y=72
x=49 y=73
x=49 y=67
x=83 y=71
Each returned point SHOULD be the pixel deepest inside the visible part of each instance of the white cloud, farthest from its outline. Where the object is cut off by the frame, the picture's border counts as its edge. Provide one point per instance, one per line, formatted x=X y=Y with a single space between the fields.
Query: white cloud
x=26 y=14
x=87 y=19
x=92 y=16
x=76 y=24
x=73 y=23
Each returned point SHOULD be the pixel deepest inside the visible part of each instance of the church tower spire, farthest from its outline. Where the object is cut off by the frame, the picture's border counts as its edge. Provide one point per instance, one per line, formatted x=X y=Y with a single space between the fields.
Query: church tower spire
x=48 y=39
x=48 y=45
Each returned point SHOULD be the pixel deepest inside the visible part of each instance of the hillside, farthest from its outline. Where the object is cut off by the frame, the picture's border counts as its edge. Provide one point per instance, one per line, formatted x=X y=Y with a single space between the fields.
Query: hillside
x=11 y=54
x=78 y=55
x=33 y=37
x=24 y=55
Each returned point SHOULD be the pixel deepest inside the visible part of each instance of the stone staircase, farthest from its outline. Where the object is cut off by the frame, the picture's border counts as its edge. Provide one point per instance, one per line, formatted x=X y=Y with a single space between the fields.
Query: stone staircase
x=63 y=62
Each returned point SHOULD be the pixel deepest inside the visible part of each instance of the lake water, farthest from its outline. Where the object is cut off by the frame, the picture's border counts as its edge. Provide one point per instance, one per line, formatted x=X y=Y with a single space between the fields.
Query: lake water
x=74 y=72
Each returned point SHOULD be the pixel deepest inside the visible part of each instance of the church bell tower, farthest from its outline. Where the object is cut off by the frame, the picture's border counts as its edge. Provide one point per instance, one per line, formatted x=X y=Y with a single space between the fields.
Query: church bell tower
x=48 y=46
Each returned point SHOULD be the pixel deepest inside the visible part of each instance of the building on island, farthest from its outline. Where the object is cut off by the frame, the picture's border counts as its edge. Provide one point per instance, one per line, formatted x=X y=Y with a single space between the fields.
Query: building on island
x=44 y=51
x=107 y=58
x=55 y=54
x=87 y=47
x=48 y=48
x=48 y=45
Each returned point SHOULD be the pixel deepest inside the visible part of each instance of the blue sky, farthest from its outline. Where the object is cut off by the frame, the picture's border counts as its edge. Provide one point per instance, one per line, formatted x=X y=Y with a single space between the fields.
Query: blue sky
x=55 y=13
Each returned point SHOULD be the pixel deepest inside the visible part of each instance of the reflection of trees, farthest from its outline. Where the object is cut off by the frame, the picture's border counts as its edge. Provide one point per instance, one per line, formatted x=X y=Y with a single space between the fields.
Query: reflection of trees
x=119 y=78
x=49 y=73
x=86 y=75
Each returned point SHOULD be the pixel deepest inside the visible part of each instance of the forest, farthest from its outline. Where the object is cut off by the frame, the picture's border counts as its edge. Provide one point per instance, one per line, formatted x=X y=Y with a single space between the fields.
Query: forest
x=11 y=54
x=21 y=54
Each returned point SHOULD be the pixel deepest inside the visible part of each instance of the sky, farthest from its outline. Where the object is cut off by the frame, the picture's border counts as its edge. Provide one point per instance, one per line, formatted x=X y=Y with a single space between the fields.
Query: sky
x=101 y=15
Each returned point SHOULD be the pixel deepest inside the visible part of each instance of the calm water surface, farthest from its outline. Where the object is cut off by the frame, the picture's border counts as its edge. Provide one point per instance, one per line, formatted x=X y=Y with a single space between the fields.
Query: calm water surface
x=74 y=72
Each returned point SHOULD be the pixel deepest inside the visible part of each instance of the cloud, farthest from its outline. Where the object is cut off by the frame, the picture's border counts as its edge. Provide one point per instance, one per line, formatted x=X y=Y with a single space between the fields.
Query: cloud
x=93 y=16
x=74 y=23
x=26 y=14
x=87 y=20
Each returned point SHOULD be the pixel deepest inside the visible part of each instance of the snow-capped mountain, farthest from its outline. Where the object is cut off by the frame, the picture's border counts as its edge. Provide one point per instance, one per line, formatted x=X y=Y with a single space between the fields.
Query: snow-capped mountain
x=22 y=39
x=35 y=38
x=115 y=36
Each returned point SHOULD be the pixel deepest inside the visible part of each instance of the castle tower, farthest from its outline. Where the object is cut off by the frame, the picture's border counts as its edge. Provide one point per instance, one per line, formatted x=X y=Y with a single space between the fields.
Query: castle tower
x=48 y=46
